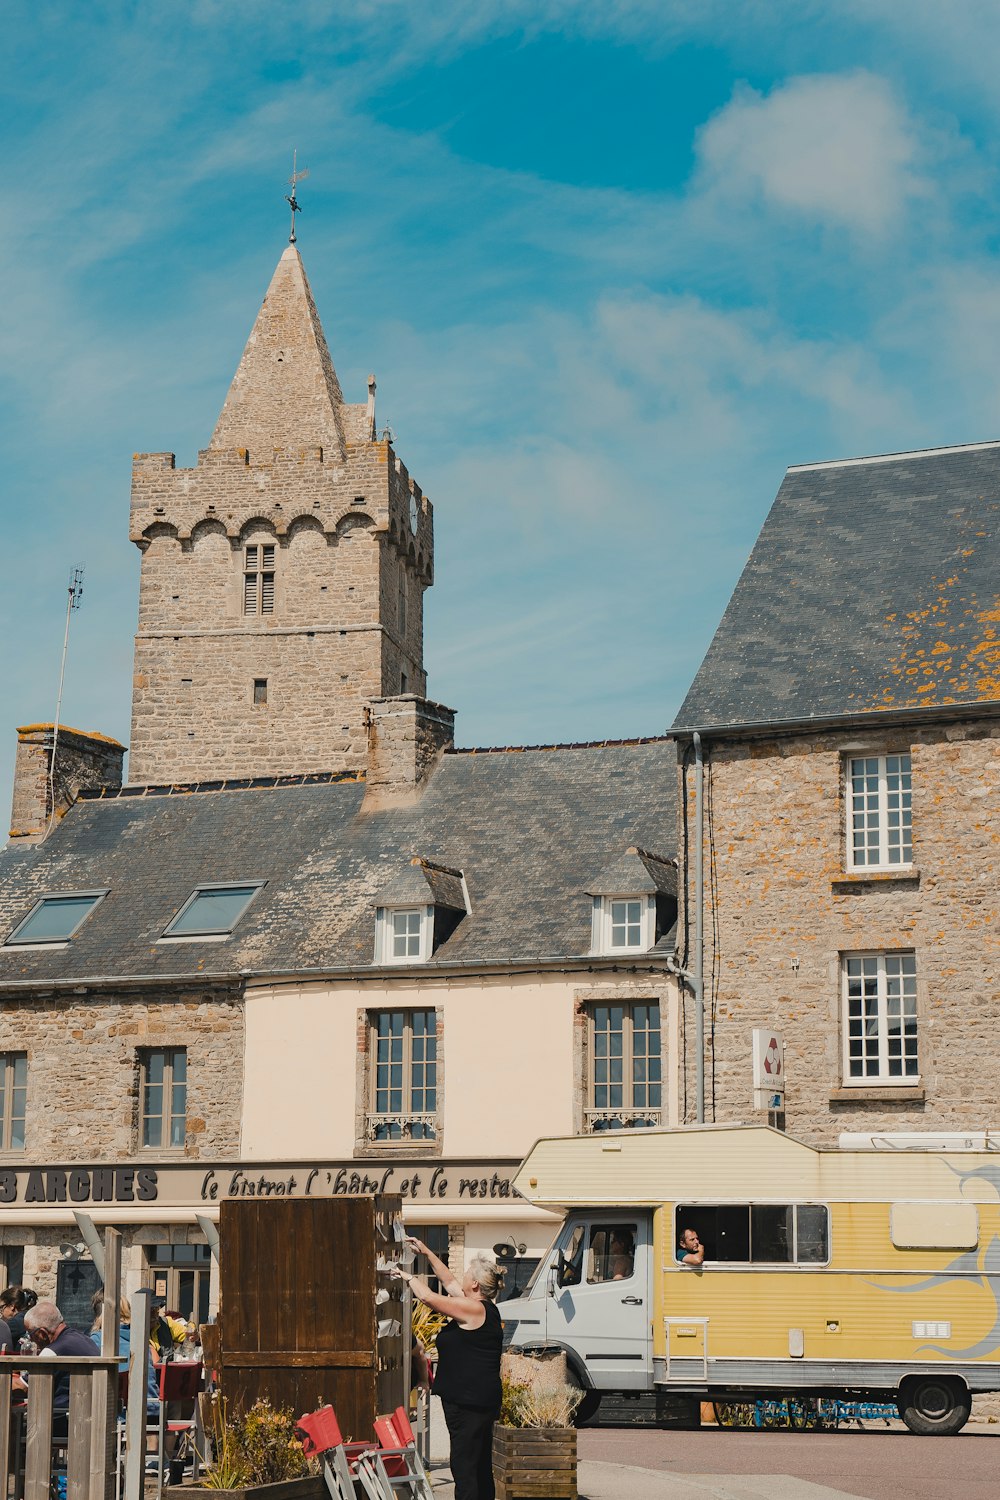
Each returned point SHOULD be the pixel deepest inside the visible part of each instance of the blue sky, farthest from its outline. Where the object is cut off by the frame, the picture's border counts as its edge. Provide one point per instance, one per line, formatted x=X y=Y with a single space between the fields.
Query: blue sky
x=615 y=264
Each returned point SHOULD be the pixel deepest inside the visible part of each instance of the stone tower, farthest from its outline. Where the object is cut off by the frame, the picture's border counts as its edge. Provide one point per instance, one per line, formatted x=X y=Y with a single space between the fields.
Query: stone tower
x=282 y=578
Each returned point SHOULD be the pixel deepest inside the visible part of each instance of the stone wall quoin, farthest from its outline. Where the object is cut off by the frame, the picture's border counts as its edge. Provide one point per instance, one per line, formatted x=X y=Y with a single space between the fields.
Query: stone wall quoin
x=779 y=914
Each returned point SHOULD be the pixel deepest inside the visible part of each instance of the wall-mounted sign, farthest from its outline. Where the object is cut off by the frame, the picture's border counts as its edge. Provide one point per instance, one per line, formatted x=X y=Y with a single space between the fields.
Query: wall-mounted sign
x=194 y=1184
x=768 y=1070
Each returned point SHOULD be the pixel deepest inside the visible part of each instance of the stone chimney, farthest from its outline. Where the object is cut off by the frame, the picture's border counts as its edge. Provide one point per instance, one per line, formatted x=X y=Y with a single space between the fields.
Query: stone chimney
x=83 y=760
x=407 y=736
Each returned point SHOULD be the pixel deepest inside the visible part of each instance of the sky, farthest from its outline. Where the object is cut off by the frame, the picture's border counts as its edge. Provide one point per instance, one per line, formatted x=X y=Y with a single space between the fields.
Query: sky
x=614 y=263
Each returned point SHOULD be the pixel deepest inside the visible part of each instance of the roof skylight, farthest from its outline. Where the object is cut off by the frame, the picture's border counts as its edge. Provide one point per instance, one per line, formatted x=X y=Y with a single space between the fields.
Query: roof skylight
x=54 y=919
x=212 y=910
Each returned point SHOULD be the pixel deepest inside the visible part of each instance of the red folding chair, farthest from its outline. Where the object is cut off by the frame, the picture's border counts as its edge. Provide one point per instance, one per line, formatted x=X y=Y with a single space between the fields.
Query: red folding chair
x=321 y=1437
x=397 y=1466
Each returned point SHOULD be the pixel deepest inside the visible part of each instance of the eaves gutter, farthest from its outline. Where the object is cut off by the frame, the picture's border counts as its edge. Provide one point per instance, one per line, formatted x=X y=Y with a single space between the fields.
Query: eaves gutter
x=476 y=968
x=650 y=964
x=82 y=983
x=872 y=718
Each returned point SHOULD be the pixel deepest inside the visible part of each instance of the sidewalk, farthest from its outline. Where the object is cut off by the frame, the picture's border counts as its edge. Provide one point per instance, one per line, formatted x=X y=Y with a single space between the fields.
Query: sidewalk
x=625 y=1482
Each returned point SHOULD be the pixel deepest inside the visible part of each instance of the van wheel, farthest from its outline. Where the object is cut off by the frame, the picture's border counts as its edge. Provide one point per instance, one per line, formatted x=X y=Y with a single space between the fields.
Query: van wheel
x=934 y=1406
x=587 y=1408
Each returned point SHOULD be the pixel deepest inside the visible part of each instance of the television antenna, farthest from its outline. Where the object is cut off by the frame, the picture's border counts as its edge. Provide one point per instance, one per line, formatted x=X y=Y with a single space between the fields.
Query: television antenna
x=74 y=595
x=290 y=198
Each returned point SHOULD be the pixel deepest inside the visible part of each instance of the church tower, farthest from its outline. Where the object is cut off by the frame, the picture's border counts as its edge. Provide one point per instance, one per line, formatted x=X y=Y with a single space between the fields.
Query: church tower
x=282 y=578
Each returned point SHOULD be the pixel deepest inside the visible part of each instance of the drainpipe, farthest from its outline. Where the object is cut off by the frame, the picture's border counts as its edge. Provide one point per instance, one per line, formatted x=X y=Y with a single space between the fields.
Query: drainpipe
x=699 y=930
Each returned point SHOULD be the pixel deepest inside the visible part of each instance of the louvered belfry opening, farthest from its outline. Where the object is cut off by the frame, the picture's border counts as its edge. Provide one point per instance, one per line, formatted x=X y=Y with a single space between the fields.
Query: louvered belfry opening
x=258 y=580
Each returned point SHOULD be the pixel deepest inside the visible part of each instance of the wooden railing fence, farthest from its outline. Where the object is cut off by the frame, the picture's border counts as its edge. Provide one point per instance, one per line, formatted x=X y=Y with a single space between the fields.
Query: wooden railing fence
x=33 y=1435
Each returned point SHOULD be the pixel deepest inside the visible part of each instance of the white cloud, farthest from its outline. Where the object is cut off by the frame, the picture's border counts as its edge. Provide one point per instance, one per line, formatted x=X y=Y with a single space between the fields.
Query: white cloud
x=839 y=149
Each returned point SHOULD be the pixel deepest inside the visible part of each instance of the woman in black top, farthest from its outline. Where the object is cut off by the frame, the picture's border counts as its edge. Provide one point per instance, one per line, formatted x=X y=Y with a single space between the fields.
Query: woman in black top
x=468 y=1369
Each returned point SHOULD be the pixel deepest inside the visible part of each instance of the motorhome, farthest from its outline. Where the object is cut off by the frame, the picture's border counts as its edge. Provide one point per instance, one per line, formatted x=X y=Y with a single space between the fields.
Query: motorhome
x=869 y=1271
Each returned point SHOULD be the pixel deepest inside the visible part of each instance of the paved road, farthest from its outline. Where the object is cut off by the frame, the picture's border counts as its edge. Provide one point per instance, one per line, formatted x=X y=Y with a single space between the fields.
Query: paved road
x=877 y=1464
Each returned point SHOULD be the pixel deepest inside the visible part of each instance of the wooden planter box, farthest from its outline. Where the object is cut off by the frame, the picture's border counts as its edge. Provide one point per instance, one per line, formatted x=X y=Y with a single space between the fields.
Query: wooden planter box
x=534 y=1461
x=312 y=1487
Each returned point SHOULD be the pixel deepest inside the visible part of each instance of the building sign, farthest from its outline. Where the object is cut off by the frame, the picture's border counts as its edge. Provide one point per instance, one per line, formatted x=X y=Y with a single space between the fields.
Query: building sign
x=193 y=1185
x=768 y=1049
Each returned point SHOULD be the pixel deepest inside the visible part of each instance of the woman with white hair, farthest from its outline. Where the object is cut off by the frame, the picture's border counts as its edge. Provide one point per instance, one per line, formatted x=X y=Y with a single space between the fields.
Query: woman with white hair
x=468 y=1369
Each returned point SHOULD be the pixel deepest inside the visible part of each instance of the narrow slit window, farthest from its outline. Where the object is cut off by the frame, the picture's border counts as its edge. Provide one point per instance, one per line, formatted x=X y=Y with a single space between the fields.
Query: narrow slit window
x=258 y=579
x=260 y=691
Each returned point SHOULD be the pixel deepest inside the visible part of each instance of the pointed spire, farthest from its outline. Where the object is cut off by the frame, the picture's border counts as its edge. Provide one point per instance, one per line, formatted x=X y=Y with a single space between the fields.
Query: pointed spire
x=285 y=392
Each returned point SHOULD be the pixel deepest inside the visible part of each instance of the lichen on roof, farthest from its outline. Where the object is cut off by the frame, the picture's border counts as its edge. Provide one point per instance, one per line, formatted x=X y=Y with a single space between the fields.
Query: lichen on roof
x=873 y=587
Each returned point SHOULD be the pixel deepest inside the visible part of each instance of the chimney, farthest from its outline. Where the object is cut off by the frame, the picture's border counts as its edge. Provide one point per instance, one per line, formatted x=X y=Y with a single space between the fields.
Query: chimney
x=83 y=760
x=407 y=736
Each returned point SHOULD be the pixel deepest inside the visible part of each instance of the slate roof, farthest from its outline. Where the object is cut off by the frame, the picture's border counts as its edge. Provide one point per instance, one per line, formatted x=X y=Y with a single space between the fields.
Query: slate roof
x=874 y=586
x=636 y=873
x=423 y=884
x=530 y=830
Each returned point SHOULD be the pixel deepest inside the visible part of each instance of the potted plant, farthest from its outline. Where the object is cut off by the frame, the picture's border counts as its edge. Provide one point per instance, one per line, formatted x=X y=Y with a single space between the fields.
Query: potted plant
x=534 y=1440
x=258 y=1455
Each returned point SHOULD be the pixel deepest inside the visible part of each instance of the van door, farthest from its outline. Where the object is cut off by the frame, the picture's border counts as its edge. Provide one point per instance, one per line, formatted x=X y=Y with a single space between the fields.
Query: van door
x=600 y=1302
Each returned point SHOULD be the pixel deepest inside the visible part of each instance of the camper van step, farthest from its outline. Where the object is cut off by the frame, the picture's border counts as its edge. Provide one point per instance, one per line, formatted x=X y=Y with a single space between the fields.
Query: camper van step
x=645 y=1409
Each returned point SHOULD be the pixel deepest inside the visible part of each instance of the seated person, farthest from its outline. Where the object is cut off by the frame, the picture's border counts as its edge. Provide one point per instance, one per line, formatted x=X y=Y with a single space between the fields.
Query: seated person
x=690 y=1250
x=622 y=1260
x=125 y=1347
x=45 y=1324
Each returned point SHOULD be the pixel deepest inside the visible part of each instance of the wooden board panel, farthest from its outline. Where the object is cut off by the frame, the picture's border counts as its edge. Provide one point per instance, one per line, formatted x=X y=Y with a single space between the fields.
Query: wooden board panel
x=298 y=1316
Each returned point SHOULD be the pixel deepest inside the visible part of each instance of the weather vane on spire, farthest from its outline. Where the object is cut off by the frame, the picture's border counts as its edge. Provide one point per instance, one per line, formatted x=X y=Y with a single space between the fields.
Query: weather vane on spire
x=290 y=198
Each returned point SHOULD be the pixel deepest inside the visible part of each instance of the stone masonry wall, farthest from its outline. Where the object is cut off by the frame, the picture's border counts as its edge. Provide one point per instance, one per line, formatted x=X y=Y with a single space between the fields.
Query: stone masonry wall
x=342 y=532
x=84 y=1065
x=406 y=737
x=781 y=909
x=83 y=760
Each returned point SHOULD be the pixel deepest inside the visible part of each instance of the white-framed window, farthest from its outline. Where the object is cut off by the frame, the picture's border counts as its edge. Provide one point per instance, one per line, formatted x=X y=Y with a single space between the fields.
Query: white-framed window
x=879 y=835
x=623 y=924
x=880 y=1017
x=258 y=578
x=403 y=934
x=403 y=1066
x=164 y=1097
x=625 y=1087
x=13 y=1099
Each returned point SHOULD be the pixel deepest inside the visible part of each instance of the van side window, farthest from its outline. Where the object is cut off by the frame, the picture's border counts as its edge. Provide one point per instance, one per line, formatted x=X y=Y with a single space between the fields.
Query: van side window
x=812 y=1232
x=571 y=1259
x=612 y=1252
x=758 y=1233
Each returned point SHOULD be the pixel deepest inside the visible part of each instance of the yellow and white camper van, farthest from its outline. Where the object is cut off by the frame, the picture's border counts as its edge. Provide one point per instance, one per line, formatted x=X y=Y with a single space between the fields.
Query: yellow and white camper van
x=836 y=1272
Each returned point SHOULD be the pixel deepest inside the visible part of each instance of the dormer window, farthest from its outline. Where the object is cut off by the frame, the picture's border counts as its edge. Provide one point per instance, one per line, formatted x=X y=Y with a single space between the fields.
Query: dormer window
x=624 y=924
x=417 y=912
x=634 y=903
x=403 y=934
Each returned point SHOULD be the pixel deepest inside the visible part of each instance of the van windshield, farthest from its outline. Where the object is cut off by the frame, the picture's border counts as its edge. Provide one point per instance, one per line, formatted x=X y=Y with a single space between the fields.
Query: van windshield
x=529 y=1286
